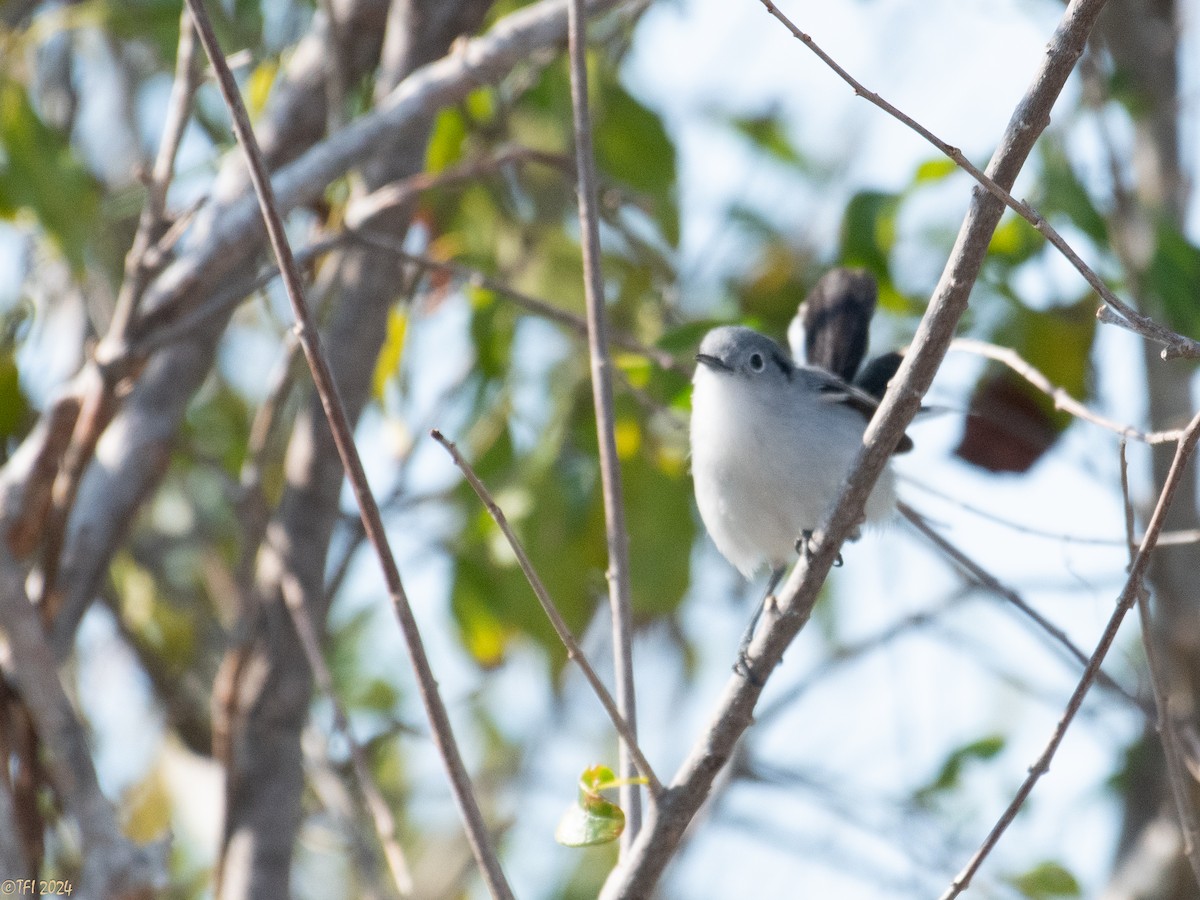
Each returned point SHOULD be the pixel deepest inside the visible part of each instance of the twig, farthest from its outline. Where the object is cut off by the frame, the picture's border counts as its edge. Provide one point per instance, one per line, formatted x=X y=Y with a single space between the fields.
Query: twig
x=140 y=260
x=1177 y=773
x=172 y=332
x=847 y=653
x=443 y=736
x=1165 y=539
x=535 y=305
x=574 y=651
x=1062 y=400
x=638 y=872
x=187 y=325
x=1129 y=595
x=361 y=210
x=377 y=807
x=985 y=579
x=99 y=401
x=1117 y=312
x=619 y=595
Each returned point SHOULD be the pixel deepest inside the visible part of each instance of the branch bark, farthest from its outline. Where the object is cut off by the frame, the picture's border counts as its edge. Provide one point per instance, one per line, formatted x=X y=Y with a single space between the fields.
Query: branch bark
x=113 y=865
x=639 y=872
x=229 y=237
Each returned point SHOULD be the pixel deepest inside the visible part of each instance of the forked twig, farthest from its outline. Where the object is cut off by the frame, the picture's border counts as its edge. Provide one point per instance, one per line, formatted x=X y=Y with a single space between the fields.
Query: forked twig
x=1062 y=399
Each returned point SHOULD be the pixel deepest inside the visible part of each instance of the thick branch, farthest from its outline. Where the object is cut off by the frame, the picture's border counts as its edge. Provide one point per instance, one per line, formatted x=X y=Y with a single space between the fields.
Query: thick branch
x=113 y=866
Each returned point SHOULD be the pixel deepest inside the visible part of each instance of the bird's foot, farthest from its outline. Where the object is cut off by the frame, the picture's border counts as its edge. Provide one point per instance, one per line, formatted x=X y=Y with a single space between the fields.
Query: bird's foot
x=804 y=547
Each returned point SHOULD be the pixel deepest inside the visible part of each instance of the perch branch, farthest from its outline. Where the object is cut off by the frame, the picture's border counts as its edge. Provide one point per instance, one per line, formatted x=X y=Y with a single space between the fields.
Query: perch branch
x=641 y=868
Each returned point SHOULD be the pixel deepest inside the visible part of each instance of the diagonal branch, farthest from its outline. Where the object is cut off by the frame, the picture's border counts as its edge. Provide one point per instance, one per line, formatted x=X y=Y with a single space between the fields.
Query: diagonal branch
x=1134 y=586
x=574 y=651
x=986 y=580
x=1115 y=312
x=443 y=736
x=1178 y=776
x=655 y=846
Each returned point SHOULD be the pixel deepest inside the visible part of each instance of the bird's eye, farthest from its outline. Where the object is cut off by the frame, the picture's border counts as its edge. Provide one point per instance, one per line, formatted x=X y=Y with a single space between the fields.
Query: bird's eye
x=756 y=362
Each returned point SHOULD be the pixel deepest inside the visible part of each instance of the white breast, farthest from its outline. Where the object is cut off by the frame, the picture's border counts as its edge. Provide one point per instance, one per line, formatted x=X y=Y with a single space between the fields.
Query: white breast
x=761 y=476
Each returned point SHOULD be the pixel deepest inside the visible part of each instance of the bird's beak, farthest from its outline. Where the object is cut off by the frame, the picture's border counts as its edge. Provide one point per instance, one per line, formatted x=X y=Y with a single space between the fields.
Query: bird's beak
x=712 y=362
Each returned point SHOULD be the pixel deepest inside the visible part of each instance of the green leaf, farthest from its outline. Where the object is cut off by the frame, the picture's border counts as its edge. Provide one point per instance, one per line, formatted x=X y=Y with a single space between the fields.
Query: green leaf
x=40 y=174
x=1174 y=276
x=14 y=405
x=258 y=86
x=1014 y=241
x=766 y=133
x=633 y=147
x=1062 y=193
x=937 y=169
x=217 y=425
x=473 y=603
x=388 y=363
x=869 y=231
x=657 y=490
x=447 y=141
x=1046 y=880
x=591 y=820
x=951 y=772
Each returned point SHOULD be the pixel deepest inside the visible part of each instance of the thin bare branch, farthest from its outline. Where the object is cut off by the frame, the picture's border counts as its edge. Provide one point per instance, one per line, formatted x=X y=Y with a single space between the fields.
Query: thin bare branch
x=1062 y=400
x=619 y=591
x=139 y=262
x=362 y=209
x=1117 y=312
x=443 y=736
x=1134 y=586
x=1178 y=776
x=1165 y=539
x=535 y=305
x=986 y=580
x=377 y=808
x=574 y=651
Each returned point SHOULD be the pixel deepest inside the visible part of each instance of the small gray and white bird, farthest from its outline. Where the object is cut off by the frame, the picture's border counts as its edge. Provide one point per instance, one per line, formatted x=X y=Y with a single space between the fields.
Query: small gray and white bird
x=772 y=444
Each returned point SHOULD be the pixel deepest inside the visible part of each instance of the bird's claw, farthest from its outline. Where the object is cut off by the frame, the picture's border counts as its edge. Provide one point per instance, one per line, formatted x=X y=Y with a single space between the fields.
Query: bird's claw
x=804 y=547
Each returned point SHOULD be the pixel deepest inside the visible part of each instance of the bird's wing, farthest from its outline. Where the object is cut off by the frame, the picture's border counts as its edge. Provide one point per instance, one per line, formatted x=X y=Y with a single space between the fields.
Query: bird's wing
x=831 y=389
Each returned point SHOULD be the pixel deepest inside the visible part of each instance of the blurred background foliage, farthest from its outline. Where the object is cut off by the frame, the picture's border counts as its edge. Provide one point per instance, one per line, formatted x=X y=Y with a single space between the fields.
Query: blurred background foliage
x=515 y=387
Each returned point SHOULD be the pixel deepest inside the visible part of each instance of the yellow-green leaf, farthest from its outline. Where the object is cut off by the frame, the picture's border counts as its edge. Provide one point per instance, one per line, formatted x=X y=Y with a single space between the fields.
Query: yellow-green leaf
x=388 y=363
x=591 y=819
